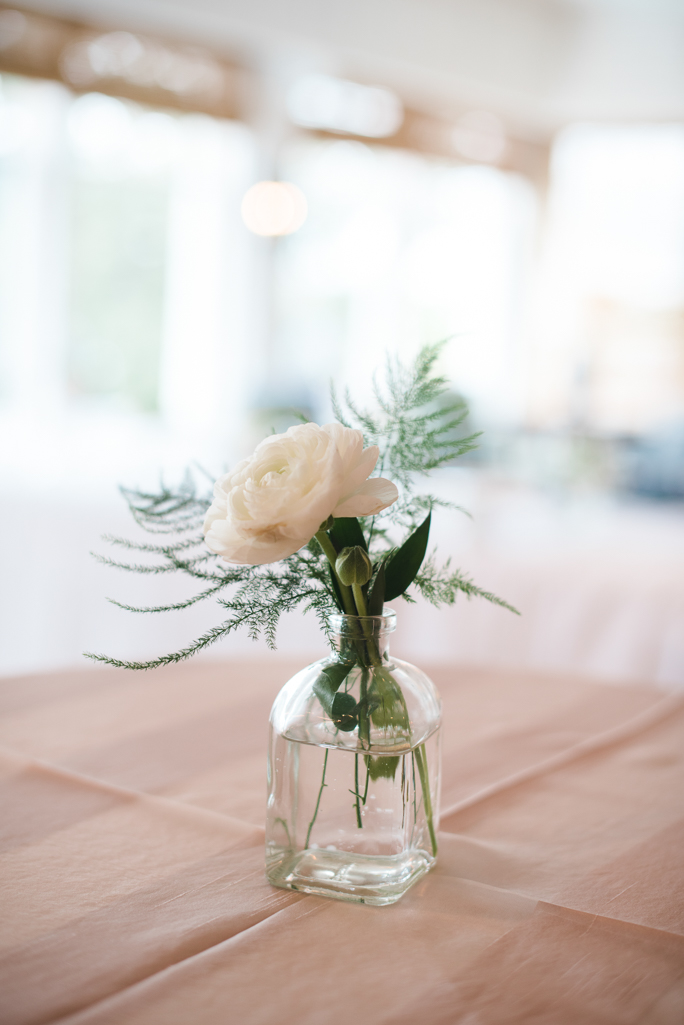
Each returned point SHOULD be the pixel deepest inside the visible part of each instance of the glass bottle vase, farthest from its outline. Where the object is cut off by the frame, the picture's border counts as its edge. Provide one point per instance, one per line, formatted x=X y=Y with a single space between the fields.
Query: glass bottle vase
x=353 y=770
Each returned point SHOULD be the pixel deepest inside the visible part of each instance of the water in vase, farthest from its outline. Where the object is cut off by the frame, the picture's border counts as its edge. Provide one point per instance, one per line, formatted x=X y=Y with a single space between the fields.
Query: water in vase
x=351 y=824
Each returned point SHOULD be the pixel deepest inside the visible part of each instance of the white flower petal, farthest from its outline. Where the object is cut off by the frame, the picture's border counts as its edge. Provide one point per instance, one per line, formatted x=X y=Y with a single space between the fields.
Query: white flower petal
x=358 y=474
x=223 y=539
x=349 y=444
x=370 y=498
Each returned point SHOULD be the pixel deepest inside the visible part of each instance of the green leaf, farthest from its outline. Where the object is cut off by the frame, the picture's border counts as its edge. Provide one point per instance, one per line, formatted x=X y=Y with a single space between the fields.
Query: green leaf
x=329 y=682
x=344 y=712
x=376 y=598
x=402 y=567
x=346 y=532
x=382 y=766
x=386 y=701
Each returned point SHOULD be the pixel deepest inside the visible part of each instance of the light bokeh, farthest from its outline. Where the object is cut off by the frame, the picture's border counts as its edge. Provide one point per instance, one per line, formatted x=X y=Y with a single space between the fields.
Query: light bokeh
x=273 y=208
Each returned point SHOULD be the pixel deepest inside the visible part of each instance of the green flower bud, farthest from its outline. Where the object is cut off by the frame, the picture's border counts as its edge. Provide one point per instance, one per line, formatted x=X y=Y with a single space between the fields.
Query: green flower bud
x=353 y=566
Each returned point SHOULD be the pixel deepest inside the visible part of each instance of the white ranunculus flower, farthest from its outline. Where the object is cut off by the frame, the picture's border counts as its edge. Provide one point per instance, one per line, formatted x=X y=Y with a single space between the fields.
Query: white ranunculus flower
x=270 y=505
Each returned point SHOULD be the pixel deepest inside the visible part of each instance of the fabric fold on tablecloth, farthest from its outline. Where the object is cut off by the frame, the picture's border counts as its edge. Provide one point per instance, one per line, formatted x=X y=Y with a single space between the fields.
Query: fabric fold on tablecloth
x=37 y=799
x=289 y=958
x=136 y=935
x=562 y=967
x=451 y=951
x=108 y=886
x=616 y=735
x=600 y=834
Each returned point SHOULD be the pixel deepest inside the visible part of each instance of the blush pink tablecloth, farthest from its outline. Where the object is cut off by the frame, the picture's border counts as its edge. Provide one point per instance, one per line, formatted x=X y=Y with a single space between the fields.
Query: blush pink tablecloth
x=131 y=861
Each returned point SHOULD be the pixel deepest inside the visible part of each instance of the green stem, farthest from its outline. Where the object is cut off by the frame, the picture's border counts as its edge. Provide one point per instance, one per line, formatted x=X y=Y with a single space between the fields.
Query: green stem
x=359 y=823
x=320 y=794
x=413 y=773
x=374 y=656
x=331 y=554
x=364 y=721
x=359 y=599
x=287 y=831
x=421 y=760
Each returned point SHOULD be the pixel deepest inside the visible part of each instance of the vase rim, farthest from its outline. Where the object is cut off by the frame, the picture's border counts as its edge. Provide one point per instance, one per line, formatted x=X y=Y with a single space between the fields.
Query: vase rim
x=387 y=622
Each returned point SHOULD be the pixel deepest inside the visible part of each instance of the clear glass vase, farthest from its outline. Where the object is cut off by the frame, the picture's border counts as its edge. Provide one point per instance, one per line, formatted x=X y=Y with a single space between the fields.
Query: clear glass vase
x=353 y=770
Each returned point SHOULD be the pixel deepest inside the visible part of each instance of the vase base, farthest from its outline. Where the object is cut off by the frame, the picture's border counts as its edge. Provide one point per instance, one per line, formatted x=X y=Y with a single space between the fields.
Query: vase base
x=358 y=878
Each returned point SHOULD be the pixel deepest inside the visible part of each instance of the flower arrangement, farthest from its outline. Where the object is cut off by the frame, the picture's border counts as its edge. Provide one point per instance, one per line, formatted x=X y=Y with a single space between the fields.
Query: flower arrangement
x=303 y=524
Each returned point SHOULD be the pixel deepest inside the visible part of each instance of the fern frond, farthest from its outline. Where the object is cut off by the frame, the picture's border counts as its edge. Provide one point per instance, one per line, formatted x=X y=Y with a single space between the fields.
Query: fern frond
x=142 y=546
x=208 y=638
x=174 y=607
x=440 y=586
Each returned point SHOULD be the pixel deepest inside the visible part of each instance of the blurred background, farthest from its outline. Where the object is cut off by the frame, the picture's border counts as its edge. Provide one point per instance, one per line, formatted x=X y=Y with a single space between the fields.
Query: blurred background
x=508 y=174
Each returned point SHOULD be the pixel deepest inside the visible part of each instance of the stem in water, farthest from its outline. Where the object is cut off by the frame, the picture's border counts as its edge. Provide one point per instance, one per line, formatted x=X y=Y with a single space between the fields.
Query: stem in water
x=421 y=762
x=320 y=794
x=359 y=823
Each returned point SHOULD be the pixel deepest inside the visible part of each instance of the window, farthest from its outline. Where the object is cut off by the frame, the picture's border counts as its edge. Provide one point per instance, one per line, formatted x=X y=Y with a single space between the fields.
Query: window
x=399 y=250
x=610 y=345
x=123 y=300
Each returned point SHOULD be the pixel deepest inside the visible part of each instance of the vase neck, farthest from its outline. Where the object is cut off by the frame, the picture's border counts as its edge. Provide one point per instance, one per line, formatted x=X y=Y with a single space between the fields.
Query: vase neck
x=363 y=639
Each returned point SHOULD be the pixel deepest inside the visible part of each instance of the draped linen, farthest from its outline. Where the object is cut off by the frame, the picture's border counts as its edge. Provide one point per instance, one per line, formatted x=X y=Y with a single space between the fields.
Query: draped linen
x=131 y=860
